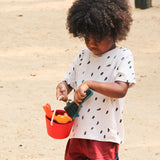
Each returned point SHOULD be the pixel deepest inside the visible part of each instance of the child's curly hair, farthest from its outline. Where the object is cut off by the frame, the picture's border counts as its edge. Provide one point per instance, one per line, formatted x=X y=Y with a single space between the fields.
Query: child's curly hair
x=99 y=18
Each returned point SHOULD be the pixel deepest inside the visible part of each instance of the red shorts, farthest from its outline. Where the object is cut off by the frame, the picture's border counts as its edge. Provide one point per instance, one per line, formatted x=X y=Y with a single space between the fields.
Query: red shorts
x=83 y=149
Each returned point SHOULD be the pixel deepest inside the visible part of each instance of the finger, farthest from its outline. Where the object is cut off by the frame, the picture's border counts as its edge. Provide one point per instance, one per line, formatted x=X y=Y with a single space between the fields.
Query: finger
x=83 y=95
x=82 y=92
x=60 y=90
x=64 y=98
x=77 y=103
x=58 y=93
x=80 y=95
x=77 y=100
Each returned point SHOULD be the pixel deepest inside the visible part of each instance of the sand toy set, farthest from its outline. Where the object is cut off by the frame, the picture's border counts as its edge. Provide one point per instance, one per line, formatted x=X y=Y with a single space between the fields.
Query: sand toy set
x=59 y=122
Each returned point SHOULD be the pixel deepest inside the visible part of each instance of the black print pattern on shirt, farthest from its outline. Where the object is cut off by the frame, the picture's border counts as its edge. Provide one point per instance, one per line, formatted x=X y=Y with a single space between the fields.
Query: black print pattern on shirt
x=101 y=73
x=88 y=110
x=93 y=117
x=101 y=70
x=97 y=123
x=88 y=62
x=108 y=65
x=122 y=58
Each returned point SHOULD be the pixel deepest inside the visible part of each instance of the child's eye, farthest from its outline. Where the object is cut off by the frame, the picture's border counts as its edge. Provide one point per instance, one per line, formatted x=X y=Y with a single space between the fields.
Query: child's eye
x=97 y=41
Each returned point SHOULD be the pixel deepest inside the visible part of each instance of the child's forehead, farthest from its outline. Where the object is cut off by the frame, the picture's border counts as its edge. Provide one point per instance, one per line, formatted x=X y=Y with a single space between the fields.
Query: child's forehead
x=96 y=37
x=93 y=36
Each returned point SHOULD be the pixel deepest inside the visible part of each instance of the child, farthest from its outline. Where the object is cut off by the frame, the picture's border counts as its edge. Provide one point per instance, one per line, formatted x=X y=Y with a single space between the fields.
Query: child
x=103 y=67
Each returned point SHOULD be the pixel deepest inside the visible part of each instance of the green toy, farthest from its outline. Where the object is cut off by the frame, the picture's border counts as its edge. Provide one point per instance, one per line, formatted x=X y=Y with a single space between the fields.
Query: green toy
x=72 y=109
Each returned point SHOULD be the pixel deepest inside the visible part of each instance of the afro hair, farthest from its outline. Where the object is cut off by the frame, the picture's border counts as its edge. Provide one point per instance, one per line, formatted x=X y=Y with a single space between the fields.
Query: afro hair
x=99 y=18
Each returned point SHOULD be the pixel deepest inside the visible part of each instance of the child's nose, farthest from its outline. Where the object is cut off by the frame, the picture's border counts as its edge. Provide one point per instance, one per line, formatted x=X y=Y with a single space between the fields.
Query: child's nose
x=91 y=44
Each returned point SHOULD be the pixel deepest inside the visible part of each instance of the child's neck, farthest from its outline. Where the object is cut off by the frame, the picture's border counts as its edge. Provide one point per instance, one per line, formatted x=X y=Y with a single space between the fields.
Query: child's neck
x=112 y=47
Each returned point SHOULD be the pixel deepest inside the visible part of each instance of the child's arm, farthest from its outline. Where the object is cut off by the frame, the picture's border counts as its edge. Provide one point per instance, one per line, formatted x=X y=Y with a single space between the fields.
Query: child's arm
x=116 y=89
x=63 y=89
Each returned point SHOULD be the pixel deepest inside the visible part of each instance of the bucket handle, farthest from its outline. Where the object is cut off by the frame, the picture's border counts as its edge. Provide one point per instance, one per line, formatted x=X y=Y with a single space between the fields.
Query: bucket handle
x=54 y=112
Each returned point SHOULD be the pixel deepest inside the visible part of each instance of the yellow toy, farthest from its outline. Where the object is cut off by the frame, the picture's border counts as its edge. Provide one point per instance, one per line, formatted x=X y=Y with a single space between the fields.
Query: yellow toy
x=63 y=119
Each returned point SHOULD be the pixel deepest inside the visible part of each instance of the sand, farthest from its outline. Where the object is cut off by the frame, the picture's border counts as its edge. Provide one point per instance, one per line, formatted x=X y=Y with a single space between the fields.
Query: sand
x=36 y=52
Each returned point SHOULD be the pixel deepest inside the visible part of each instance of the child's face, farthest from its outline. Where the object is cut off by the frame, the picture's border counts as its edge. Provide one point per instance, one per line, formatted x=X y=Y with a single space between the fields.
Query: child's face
x=99 y=47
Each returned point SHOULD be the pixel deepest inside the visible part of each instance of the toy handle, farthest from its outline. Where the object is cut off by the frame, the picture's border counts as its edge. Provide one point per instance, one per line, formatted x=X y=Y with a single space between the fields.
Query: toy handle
x=54 y=112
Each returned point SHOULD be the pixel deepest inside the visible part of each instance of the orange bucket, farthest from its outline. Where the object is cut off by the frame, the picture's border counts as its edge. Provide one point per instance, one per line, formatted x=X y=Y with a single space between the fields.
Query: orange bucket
x=58 y=131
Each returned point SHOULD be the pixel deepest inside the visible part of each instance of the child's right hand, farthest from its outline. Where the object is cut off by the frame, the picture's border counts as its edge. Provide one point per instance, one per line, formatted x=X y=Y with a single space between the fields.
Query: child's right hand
x=80 y=93
x=62 y=90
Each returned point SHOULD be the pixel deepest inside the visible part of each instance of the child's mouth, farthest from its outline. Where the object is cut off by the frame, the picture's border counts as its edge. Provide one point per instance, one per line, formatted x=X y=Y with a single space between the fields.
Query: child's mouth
x=94 y=50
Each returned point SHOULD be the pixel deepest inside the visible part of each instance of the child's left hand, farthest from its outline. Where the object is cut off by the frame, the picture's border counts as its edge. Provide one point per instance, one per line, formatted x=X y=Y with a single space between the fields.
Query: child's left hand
x=80 y=93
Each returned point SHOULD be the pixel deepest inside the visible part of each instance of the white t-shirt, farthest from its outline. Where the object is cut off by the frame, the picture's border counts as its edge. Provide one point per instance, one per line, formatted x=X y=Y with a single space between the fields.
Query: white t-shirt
x=100 y=118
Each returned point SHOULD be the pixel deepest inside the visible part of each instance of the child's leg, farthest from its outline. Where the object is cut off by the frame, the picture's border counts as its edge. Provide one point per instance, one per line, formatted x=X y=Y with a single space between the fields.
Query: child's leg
x=80 y=149
x=117 y=157
x=74 y=150
x=102 y=150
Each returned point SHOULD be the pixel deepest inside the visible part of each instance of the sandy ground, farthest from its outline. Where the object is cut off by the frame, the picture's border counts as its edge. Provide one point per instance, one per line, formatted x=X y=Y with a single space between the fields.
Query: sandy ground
x=36 y=52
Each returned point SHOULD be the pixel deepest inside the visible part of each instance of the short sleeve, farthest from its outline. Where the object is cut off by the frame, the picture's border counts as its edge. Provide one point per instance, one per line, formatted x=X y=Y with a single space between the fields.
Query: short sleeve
x=125 y=69
x=71 y=75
